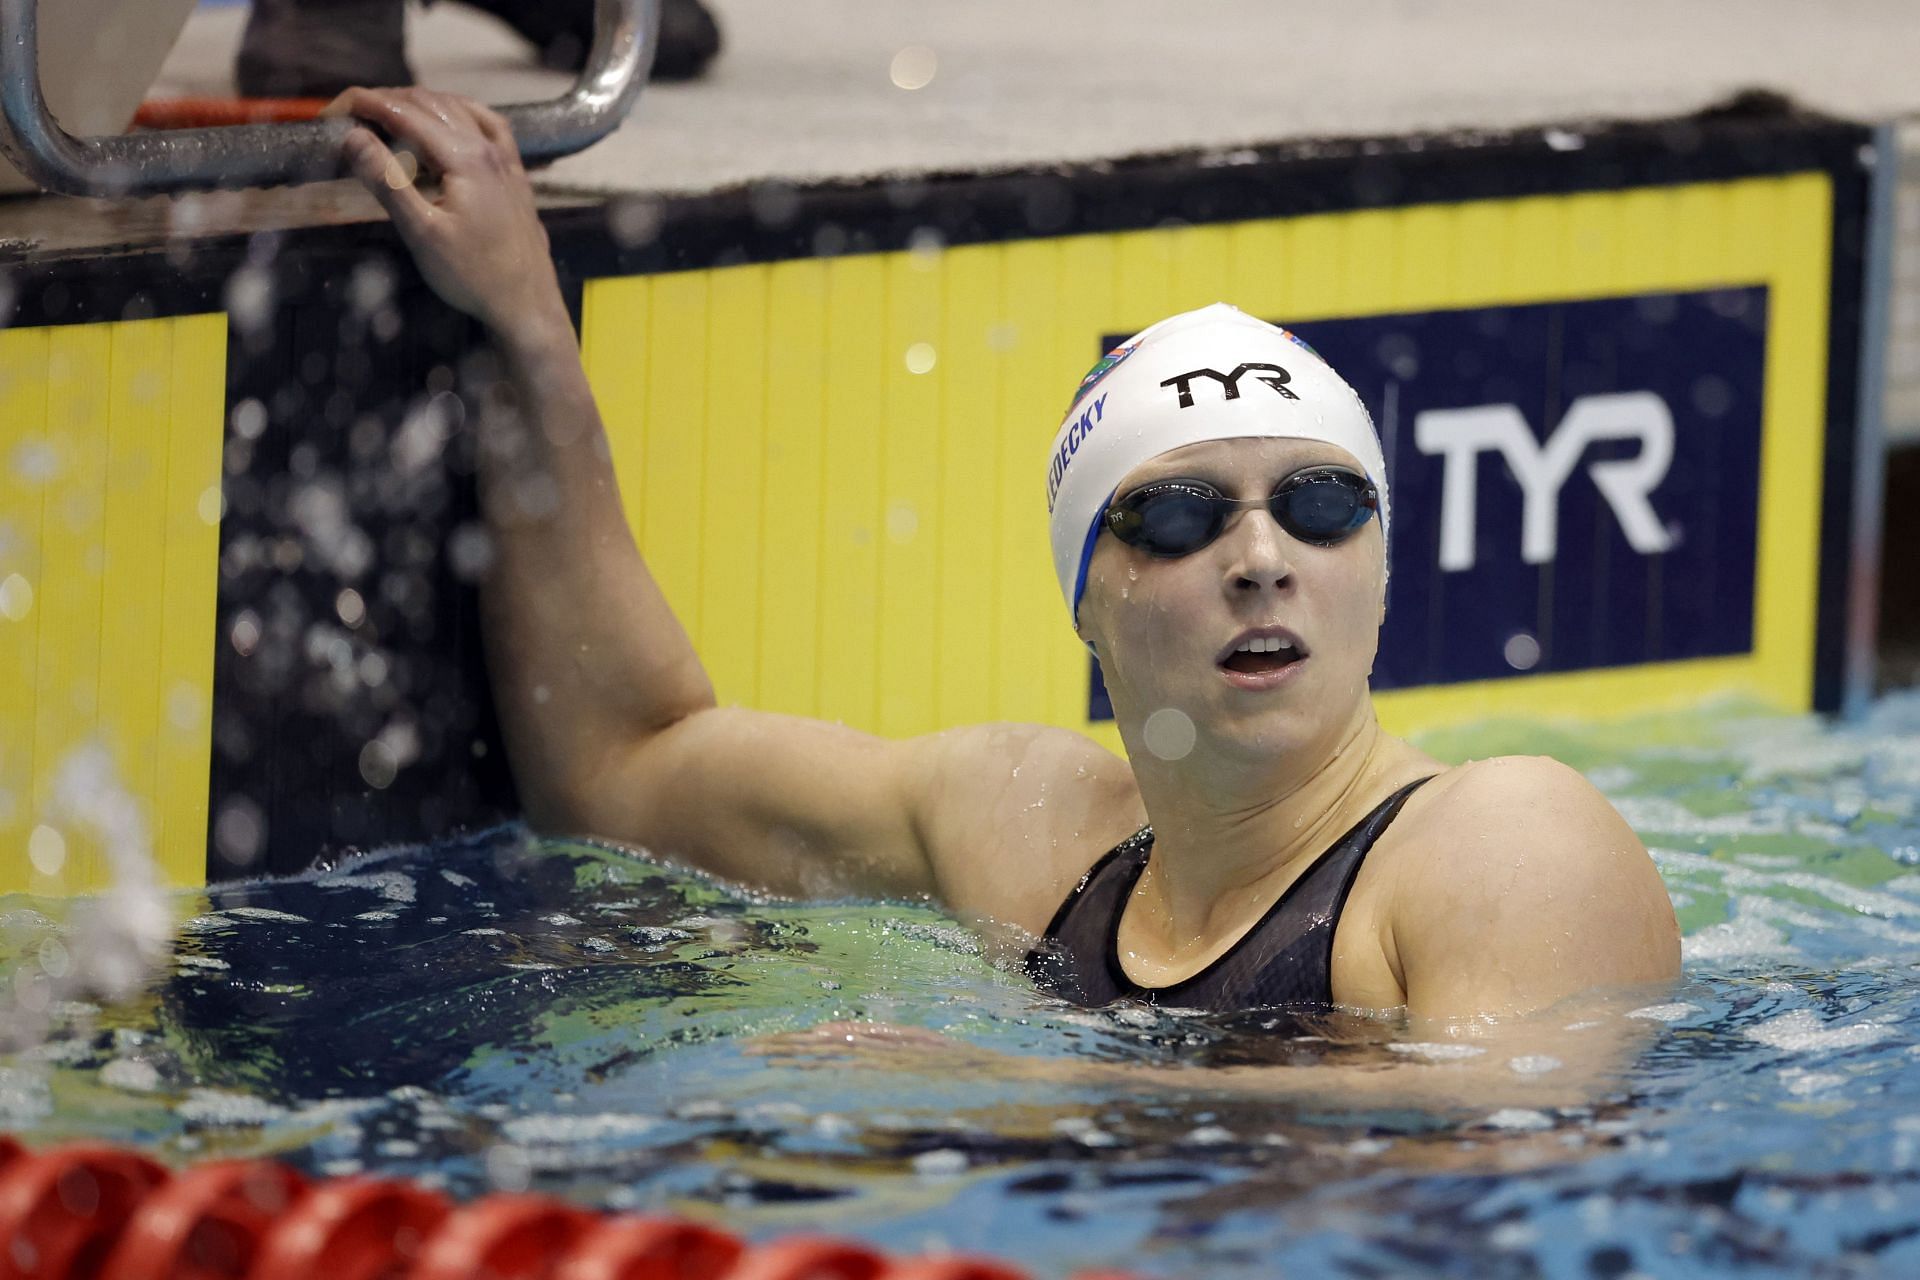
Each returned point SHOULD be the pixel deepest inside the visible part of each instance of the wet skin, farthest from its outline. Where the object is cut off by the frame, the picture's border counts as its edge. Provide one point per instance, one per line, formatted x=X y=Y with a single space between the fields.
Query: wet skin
x=1504 y=886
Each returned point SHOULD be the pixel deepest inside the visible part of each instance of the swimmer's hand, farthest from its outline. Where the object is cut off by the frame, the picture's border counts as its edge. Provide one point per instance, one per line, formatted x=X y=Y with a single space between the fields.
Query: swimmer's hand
x=476 y=235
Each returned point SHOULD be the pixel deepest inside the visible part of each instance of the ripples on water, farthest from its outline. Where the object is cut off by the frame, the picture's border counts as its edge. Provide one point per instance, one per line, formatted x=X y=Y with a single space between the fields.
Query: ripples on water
x=496 y=1013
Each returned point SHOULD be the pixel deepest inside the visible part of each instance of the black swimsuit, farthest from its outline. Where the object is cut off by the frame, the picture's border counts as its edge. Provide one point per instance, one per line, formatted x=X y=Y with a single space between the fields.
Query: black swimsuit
x=1284 y=959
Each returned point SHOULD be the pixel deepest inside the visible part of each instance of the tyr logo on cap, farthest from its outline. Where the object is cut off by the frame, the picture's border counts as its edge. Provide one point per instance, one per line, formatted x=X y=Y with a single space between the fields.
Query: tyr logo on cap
x=1274 y=376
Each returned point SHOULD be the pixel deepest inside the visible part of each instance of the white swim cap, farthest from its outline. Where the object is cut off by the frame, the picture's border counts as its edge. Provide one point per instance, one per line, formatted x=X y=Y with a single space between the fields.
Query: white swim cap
x=1212 y=374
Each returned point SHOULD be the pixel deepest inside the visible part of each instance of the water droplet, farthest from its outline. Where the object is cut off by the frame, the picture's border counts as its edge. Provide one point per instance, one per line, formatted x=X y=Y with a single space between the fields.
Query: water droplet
x=249 y=419
x=47 y=850
x=377 y=765
x=1169 y=734
x=186 y=706
x=16 y=597
x=903 y=522
x=239 y=831
x=634 y=220
x=924 y=247
x=470 y=551
x=1522 y=651
x=913 y=67
x=250 y=297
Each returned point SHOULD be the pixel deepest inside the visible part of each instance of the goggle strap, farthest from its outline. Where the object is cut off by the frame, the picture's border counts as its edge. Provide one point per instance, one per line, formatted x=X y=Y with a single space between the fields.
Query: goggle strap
x=1086 y=554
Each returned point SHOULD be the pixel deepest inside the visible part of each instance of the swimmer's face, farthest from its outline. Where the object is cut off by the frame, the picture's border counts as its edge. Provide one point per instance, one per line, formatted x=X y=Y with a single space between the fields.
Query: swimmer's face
x=1162 y=627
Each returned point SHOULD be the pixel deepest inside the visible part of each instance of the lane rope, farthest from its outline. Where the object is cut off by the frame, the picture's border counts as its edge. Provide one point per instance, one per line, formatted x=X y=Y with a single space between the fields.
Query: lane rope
x=87 y=1211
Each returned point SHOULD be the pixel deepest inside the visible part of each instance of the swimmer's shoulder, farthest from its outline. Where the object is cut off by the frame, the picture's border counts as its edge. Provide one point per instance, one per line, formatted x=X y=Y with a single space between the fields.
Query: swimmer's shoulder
x=1531 y=788
x=1478 y=811
x=1015 y=814
x=1519 y=861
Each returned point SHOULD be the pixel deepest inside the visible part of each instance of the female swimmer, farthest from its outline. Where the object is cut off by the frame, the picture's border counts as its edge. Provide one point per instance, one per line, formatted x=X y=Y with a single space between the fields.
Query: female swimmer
x=1220 y=517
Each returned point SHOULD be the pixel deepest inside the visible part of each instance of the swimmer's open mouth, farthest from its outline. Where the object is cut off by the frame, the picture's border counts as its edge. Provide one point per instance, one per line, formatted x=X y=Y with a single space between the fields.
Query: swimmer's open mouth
x=1267 y=649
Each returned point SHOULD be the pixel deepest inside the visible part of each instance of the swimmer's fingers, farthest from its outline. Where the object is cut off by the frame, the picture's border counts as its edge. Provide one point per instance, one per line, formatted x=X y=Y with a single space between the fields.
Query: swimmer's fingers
x=391 y=180
x=478 y=142
x=494 y=128
x=476 y=237
x=421 y=120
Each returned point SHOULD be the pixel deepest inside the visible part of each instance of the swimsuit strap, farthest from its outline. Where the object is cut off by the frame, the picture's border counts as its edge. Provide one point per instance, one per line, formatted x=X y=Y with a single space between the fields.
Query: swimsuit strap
x=1285 y=958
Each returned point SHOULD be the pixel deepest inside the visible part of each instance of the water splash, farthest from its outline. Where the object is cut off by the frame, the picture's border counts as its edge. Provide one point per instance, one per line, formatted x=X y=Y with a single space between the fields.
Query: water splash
x=110 y=942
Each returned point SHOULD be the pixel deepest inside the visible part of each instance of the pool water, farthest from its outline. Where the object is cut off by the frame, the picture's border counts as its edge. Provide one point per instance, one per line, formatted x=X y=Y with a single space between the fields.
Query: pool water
x=497 y=1012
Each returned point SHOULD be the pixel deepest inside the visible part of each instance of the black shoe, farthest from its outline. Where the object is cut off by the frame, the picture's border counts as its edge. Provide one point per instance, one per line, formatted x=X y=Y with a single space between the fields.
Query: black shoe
x=562 y=32
x=689 y=40
x=317 y=48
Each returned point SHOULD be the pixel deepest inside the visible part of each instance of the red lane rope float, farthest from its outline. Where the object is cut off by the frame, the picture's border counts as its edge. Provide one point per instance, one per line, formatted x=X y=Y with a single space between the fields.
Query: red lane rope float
x=96 y=1213
x=636 y=1248
x=204 y=113
x=501 y=1238
x=354 y=1229
x=958 y=1268
x=62 y=1210
x=206 y=1224
x=811 y=1258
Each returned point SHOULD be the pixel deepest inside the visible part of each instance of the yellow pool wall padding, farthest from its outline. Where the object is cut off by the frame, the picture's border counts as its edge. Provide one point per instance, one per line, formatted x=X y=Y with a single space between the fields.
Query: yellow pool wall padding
x=110 y=439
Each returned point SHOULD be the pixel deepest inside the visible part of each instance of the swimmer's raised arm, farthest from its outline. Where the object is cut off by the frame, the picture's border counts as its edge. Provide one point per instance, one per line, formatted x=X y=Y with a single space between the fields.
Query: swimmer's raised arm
x=608 y=714
x=585 y=652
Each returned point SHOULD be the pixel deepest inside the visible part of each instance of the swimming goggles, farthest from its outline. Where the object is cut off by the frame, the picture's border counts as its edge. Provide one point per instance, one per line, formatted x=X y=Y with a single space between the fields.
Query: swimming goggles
x=1170 y=518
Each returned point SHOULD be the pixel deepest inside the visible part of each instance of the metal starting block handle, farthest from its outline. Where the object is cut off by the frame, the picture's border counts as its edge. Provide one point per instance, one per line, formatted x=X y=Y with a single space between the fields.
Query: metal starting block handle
x=625 y=36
